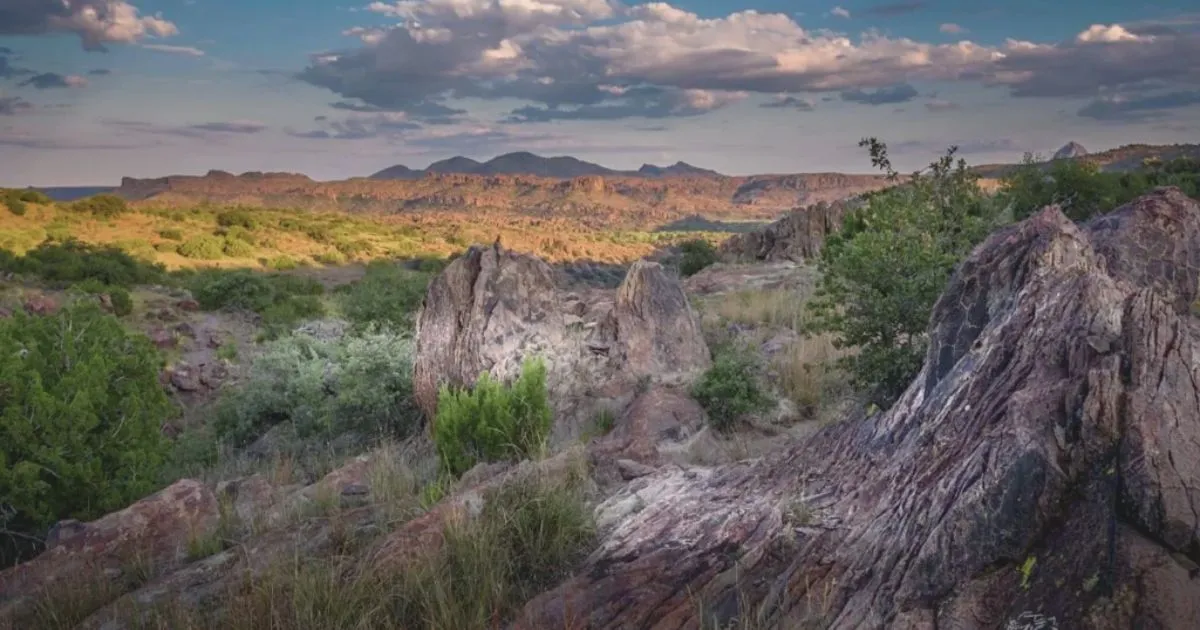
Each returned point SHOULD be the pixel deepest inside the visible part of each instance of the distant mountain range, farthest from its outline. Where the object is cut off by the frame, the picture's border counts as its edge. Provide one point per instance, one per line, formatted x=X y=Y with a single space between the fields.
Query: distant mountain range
x=526 y=163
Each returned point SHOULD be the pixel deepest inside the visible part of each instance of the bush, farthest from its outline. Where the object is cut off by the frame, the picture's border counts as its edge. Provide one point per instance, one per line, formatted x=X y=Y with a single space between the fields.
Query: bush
x=697 y=254
x=239 y=218
x=171 y=234
x=492 y=421
x=282 y=300
x=203 y=247
x=331 y=258
x=882 y=274
x=387 y=294
x=282 y=263
x=104 y=206
x=122 y=302
x=80 y=415
x=239 y=233
x=70 y=262
x=16 y=205
x=31 y=195
x=728 y=390
x=359 y=383
x=237 y=248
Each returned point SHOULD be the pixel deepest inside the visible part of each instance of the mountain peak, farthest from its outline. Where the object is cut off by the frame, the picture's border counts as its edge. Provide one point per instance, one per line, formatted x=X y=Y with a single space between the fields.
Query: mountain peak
x=1070 y=150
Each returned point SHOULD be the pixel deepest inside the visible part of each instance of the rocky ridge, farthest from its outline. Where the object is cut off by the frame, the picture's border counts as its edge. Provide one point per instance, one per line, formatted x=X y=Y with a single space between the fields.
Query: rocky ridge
x=1043 y=469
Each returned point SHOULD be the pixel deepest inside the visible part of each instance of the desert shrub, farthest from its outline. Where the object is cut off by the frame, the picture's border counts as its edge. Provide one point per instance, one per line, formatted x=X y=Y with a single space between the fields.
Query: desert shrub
x=12 y=199
x=493 y=421
x=70 y=262
x=388 y=294
x=281 y=299
x=122 y=302
x=237 y=232
x=1083 y=191
x=353 y=248
x=882 y=274
x=237 y=248
x=80 y=413
x=103 y=206
x=282 y=263
x=331 y=258
x=31 y=195
x=171 y=234
x=728 y=390
x=361 y=383
x=237 y=218
x=697 y=254
x=58 y=231
x=203 y=247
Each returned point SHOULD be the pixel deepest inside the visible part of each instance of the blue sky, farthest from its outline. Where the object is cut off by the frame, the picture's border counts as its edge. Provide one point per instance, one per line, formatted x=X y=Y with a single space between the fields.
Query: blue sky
x=93 y=90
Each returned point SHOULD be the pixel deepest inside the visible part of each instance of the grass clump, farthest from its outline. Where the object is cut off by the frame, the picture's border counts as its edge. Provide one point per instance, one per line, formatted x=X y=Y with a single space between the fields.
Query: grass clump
x=493 y=421
x=728 y=391
x=387 y=295
x=171 y=234
x=241 y=218
x=80 y=415
x=282 y=300
x=237 y=248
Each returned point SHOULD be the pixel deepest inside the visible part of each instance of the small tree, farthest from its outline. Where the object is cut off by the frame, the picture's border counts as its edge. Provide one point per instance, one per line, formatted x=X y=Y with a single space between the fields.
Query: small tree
x=80 y=415
x=697 y=254
x=883 y=273
x=493 y=421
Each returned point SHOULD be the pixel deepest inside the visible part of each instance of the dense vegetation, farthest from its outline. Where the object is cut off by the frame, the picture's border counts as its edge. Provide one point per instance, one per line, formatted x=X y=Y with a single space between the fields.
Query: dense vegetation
x=882 y=274
x=80 y=413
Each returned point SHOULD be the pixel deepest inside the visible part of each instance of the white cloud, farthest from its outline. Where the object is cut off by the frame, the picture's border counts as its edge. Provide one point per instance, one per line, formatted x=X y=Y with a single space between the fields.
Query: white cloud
x=175 y=50
x=840 y=12
x=96 y=22
x=586 y=57
x=952 y=28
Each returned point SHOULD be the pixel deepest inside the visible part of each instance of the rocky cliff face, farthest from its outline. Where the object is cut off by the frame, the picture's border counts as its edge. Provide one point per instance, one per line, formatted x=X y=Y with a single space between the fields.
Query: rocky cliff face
x=491 y=309
x=1070 y=150
x=797 y=237
x=1043 y=468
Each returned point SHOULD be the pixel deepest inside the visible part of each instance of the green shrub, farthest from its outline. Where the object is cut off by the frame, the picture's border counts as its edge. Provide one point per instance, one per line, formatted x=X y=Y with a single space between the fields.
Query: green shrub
x=31 y=195
x=331 y=258
x=882 y=274
x=171 y=234
x=728 y=390
x=80 y=414
x=103 y=206
x=203 y=247
x=237 y=248
x=360 y=383
x=239 y=218
x=282 y=263
x=493 y=421
x=14 y=203
x=388 y=294
x=697 y=254
x=58 y=231
x=122 y=302
x=70 y=262
x=238 y=232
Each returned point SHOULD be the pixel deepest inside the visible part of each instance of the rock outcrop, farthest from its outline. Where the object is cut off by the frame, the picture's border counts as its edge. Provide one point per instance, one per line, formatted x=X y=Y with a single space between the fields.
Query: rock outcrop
x=491 y=309
x=1044 y=465
x=1070 y=150
x=797 y=237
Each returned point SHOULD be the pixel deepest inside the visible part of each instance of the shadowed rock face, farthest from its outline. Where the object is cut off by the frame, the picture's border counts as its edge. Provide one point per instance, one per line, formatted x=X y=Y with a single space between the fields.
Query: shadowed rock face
x=491 y=309
x=1045 y=464
x=797 y=237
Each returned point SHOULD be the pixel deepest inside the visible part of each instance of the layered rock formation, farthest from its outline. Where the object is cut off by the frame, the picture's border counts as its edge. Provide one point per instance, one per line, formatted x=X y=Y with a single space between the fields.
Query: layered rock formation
x=797 y=237
x=491 y=309
x=1045 y=465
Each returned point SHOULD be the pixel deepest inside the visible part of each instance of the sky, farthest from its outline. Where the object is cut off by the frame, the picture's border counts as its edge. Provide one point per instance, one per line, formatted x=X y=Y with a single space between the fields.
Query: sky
x=93 y=90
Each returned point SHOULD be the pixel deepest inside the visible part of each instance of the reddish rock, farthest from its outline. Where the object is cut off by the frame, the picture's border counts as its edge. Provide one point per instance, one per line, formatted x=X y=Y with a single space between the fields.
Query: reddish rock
x=106 y=302
x=4 y=312
x=163 y=339
x=41 y=305
x=154 y=531
x=190 y=306
x=184 y=377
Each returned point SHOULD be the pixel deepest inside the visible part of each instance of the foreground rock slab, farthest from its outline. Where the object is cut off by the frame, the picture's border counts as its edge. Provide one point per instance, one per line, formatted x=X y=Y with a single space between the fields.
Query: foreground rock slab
x=1044 y=465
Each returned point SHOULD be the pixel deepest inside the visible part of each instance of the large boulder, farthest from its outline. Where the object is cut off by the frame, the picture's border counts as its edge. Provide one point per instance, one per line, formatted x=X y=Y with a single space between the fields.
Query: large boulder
x=1043 y=468
x=153 y=532
x=491 y=309
x=798 y=236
